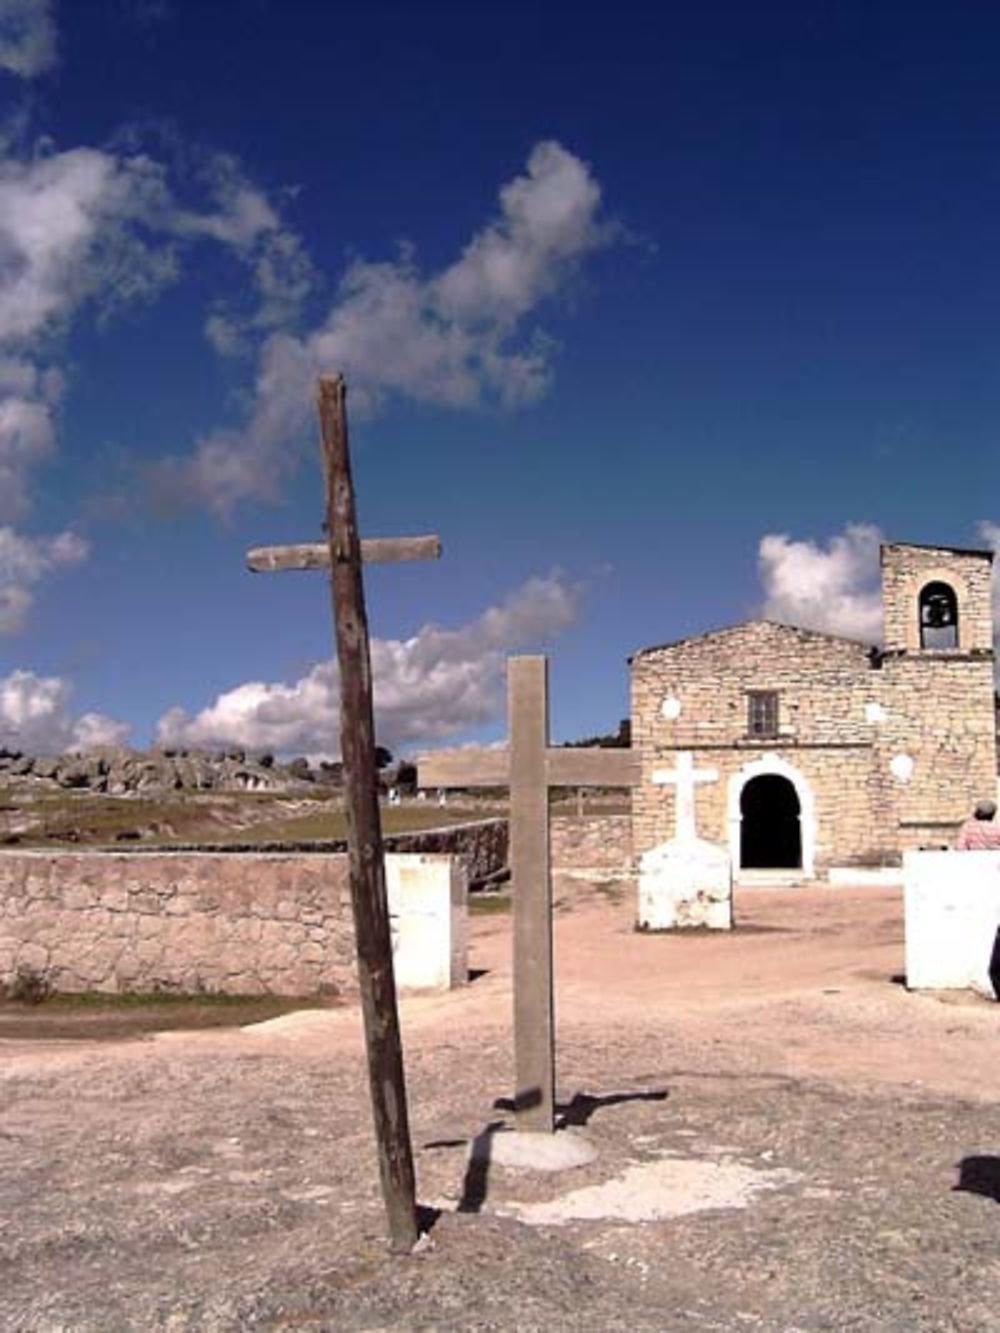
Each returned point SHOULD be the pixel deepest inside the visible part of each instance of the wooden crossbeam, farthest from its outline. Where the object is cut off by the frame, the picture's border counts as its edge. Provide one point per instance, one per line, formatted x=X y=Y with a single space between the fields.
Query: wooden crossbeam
x=531 y=768
x=564 y=767
x=316 y=555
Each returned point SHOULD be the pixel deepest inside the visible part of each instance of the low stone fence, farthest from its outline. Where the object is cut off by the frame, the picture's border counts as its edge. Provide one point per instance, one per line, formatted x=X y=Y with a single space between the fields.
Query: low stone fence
x=194 y=923
x=594 y=847
x=481 y=845
x=233 y=921
x=186 y=922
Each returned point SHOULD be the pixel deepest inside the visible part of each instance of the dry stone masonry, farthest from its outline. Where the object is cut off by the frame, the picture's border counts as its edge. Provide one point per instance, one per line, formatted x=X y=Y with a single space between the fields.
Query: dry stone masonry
x=237 y=923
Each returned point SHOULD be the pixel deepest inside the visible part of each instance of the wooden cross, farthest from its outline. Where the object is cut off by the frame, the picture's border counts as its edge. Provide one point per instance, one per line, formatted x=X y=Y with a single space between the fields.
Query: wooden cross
x=342 y=554
x=531 y=768
x=685 y=777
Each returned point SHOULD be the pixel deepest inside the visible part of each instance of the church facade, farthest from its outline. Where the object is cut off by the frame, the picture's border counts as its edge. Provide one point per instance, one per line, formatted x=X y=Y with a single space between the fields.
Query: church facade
x=799 y=751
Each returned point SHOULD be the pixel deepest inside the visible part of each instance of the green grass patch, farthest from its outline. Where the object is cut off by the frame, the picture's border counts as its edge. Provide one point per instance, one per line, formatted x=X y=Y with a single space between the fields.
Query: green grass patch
x=489 y=904
x=95 y=1016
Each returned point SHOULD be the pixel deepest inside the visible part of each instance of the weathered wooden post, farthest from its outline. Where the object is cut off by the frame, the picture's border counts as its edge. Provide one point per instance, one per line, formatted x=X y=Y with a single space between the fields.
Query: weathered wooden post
x=531 y=768
x=343 y=554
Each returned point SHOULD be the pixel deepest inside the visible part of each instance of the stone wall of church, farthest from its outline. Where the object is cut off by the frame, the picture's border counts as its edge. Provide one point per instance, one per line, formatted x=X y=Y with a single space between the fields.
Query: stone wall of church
x=939 y=715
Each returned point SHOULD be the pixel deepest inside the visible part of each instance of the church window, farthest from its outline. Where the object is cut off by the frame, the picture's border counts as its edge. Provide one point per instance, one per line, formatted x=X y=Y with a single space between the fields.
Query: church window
x=938 y=616
x=762 y=713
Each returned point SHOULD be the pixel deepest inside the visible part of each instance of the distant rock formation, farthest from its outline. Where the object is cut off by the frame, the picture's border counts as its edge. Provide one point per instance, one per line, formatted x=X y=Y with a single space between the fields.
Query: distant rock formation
x=121 y=772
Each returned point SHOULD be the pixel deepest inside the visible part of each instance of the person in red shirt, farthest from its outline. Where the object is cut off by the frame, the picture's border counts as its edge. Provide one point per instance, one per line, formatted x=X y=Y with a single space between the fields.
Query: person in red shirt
x=980 y=833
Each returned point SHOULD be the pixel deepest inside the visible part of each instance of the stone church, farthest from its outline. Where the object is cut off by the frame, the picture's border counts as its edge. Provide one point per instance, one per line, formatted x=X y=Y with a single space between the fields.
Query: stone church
x=801 y=752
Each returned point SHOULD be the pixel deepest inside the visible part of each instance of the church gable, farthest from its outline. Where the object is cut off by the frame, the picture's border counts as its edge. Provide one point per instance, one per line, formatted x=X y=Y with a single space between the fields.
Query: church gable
x=759 y=681
x=760 y=639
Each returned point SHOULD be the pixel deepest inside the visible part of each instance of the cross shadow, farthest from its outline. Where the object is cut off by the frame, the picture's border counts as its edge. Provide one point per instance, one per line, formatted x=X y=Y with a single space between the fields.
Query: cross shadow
x=475 y=1186
x=581 y=1106
x=979 y=1175
x=576 y=1112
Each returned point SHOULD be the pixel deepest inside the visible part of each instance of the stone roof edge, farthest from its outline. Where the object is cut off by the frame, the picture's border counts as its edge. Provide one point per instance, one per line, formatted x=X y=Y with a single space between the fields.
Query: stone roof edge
x=741 y=624
x=983 y=553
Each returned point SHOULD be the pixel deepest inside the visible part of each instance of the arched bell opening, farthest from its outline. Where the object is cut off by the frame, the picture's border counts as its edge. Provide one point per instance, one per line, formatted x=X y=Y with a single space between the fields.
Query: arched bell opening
x=938 y=609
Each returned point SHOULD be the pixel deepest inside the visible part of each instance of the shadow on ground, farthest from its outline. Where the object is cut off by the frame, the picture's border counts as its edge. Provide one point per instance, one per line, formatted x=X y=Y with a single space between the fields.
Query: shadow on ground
x=979 y=1175
x=575 y=1113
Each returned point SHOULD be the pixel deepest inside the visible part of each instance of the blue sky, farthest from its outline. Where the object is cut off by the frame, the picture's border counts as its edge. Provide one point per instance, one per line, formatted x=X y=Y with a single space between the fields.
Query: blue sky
x=661 y=317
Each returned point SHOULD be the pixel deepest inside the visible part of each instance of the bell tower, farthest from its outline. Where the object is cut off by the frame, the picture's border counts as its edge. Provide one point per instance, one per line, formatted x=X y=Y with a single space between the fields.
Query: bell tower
x=936 y=751
x=937 y=599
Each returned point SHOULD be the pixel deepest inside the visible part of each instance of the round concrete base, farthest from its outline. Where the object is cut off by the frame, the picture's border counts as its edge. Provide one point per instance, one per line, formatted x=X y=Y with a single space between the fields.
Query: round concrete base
x=534 y=1152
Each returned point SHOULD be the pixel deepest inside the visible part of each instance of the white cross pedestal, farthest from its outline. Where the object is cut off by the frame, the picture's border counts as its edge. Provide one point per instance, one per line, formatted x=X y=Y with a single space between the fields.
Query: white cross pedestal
x=686 y=881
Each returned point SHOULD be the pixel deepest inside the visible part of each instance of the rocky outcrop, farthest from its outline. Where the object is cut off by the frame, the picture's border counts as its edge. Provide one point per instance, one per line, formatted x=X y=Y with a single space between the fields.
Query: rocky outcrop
x=119 y=772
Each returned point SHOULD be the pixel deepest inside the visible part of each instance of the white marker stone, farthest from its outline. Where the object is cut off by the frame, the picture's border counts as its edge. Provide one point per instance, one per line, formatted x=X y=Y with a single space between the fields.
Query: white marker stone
x=901 y=767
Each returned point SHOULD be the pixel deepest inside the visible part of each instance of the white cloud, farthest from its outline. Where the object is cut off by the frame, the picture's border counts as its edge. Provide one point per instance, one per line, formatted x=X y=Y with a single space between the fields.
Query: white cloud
x=26 y=560
x=437 y=684
x=834 y=589
x=96 y=731
x=75 y=225
x=35 y=717
x=27 y=37
x=27 y=429
x=455 y=338
x=989 y=533
x=87 y=227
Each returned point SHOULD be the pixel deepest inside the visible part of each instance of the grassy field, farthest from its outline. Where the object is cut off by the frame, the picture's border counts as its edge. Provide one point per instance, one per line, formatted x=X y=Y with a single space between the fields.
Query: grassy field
x=41 y=817
x=62 y=819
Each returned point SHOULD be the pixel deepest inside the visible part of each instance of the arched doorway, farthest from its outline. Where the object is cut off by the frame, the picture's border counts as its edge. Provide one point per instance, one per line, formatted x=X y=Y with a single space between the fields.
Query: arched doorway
x=770 y=824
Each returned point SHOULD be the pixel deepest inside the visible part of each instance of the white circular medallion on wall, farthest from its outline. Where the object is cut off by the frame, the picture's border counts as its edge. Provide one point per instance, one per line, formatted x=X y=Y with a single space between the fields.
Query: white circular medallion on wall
x=670 y=708
x=875 y=713
x=901 y=767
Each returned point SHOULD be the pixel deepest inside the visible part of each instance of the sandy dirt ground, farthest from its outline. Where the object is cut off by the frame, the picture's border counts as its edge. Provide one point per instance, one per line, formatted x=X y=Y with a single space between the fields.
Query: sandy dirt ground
x=786 y=1139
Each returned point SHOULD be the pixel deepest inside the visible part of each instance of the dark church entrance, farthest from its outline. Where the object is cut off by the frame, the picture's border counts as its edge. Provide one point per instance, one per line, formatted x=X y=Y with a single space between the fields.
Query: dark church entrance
x=770 y=834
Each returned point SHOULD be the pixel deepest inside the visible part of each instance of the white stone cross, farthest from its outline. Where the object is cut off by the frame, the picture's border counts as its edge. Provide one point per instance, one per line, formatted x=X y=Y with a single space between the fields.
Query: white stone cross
x=685 y=778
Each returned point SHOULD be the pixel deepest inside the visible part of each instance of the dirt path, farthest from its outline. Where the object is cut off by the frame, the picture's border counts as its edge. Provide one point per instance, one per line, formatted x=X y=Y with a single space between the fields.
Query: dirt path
x=780 y=1131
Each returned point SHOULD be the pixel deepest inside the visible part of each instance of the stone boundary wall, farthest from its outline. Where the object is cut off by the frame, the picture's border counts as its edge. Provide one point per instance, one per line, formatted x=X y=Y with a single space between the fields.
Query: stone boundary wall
x=481 y=844
x=229 y=921
x=592 y=847
x=184 y=922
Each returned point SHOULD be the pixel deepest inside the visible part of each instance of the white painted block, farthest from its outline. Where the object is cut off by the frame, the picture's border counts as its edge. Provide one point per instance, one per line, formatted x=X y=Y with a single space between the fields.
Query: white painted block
x=683 y=883
x=428 y=911
x=952 y=902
